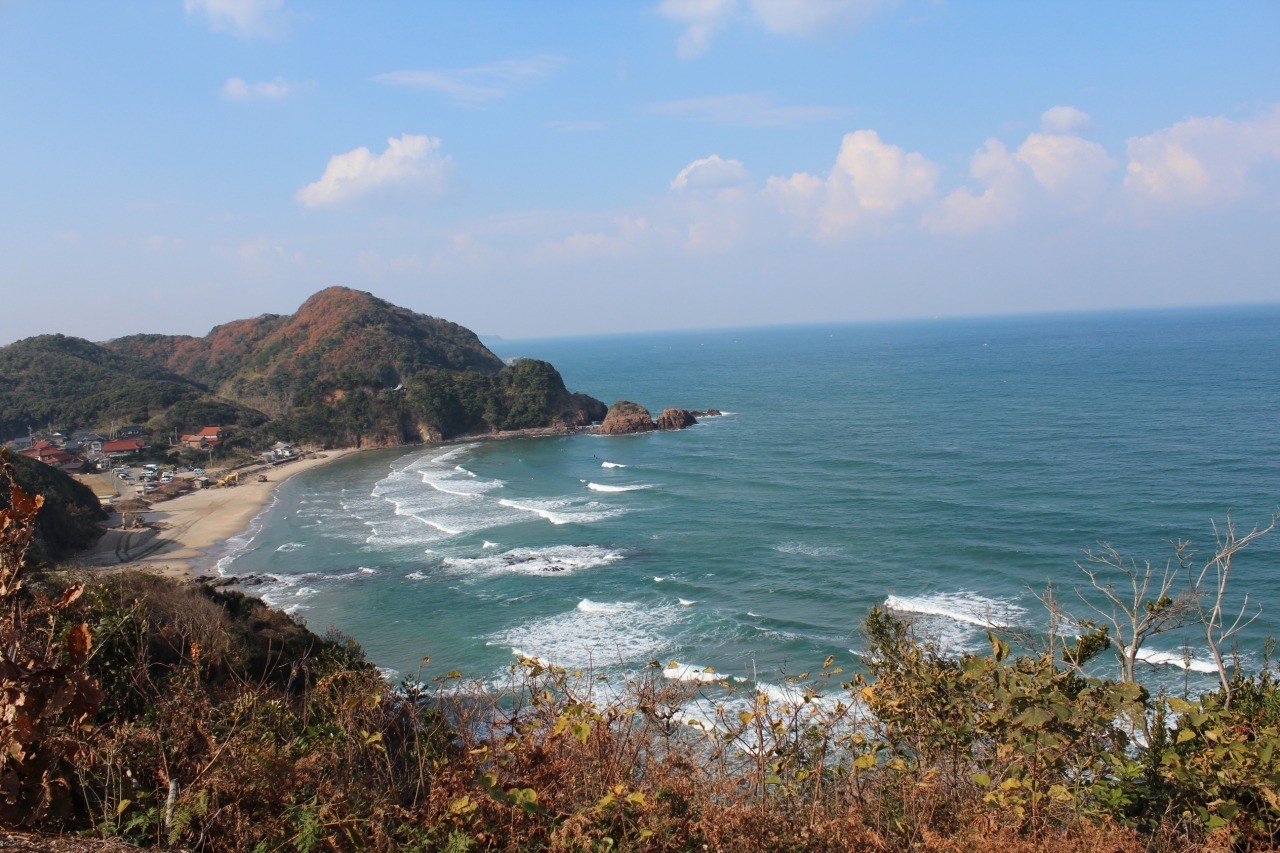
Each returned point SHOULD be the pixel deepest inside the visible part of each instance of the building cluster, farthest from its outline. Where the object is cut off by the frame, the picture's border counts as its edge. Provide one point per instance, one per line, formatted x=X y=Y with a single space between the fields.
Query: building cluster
x=86 y=450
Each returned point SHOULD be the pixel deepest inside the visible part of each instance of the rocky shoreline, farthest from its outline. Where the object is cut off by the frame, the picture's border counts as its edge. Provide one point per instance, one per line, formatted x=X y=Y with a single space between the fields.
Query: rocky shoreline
x=627 y=418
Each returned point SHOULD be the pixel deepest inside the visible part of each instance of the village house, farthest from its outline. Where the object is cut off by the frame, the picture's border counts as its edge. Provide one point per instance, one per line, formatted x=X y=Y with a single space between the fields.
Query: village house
x=208 y=437
x=50 y=454
x=122 y=447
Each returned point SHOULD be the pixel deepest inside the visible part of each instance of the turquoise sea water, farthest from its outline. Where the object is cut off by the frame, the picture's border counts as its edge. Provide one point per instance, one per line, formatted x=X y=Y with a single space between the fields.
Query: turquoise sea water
x=940 y=467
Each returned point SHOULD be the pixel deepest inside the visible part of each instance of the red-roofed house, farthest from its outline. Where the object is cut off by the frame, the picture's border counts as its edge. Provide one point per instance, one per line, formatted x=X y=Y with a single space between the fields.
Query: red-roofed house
x=207 y=437
x=48 y=453
x=122 y=447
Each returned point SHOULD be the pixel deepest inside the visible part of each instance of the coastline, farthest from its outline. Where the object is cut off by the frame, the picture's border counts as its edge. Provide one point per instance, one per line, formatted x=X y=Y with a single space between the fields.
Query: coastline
x=185 y=530
x=188 y=527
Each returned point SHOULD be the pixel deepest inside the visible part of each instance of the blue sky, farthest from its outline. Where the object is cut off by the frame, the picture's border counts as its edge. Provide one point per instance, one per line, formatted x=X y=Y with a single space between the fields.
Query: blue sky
x=557 y=168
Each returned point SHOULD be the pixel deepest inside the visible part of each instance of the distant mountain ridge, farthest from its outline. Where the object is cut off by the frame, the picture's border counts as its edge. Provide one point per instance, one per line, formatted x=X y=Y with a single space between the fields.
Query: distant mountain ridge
x=347 y=368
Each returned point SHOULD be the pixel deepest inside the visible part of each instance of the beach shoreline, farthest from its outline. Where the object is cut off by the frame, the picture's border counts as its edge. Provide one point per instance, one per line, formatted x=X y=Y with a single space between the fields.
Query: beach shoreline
x=182 y=534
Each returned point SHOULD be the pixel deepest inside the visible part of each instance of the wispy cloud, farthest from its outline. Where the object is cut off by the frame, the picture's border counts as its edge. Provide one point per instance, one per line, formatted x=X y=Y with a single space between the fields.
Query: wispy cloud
x=702 y=19
x=749 y=109
x=237 y=89
x=478 y=85
x=243 y=18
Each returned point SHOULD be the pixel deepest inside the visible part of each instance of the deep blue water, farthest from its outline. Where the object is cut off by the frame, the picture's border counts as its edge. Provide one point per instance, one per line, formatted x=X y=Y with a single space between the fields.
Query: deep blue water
x=942 y=467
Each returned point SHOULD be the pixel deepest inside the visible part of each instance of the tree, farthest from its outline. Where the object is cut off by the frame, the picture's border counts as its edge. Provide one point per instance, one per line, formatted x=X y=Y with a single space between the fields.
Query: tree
x=1209 y=586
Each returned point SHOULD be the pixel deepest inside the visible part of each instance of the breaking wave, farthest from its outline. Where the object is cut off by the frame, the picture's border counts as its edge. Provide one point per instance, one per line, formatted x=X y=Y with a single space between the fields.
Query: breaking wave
x=556 y=559
x=600 y=487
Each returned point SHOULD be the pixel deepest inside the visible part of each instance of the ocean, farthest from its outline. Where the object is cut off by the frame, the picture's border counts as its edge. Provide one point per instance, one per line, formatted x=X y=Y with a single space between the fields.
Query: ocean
x=946 y=469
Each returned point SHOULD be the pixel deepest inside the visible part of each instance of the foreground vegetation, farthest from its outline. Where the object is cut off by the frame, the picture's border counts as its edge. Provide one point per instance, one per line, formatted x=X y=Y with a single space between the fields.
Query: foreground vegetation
x=175 y=715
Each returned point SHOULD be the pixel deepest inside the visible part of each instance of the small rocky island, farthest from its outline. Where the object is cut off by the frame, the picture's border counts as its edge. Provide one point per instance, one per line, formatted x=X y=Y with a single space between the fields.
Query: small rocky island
x=627 y=418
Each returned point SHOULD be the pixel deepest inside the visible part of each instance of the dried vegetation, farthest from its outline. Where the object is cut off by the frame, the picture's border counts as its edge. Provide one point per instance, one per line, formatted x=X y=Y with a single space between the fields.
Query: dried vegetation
x=135 y=710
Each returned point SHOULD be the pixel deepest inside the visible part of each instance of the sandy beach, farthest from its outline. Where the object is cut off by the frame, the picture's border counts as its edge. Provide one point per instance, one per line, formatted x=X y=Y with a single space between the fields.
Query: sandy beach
x=182 y=532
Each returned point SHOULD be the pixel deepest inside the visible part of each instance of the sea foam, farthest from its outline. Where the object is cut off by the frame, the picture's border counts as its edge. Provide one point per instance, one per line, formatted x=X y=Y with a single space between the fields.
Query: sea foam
x=1156 y=657
x=594 y=635
x=552 y=560
x=955 y=620
x=602 y=487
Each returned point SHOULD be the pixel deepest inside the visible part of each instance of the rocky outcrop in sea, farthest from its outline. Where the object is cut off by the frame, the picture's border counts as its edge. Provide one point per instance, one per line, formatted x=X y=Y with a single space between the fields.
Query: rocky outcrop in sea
x=627 y=418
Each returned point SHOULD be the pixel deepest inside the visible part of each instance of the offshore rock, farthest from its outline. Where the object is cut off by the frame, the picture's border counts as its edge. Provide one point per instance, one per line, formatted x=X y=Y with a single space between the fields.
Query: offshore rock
x=676 y=419
x=626 y=418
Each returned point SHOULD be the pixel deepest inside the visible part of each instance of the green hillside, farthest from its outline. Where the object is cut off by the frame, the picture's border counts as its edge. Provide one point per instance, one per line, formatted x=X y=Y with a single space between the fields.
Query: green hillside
x=54 y=379
x=346 y=369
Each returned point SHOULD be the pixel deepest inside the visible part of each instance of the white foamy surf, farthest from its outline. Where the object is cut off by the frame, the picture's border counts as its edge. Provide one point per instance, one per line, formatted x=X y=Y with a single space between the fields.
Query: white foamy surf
x=564 y=510
x=955 y=621
x=608 y=464
x=806 y=550
x=594 y=635
x=970 y=608
x=602 y=487
x=677 y=671
x=1179 y=659
x=552 y=560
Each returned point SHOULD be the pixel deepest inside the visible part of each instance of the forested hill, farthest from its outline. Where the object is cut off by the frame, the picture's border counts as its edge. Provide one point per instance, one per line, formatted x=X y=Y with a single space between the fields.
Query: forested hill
x=346 y=369
x=61 y=381
x=339 y=338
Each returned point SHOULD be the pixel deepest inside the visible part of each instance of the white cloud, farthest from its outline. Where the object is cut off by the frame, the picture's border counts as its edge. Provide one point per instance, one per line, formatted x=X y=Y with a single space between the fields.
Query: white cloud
x=870 y=182
x=701 y=20
x=627 y=233
x=710 y=173
x=1049 y=174
x=477 y=85
x=811 y=17
x=410 y=166
x=237 y=89
x=748 y=109
x=1064 y=120
x=1205 y=161
x=244 y=18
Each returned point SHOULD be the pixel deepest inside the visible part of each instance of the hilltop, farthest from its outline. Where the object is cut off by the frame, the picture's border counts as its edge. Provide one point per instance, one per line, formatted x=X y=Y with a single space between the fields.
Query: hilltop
x=347 y=368
x=338 y=339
